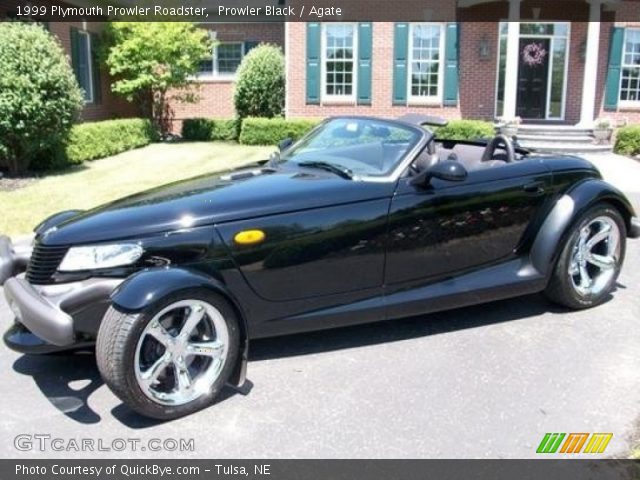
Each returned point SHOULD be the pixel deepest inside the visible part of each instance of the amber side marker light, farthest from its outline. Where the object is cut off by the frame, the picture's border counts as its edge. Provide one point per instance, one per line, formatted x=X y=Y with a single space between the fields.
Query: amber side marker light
x=249 y=237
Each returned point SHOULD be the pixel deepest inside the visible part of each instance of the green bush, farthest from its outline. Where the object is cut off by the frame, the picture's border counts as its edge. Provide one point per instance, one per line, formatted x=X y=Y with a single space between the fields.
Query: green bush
x=628 y=140
x=89 y=141
x=270 y=131
x=39 y=95
x=207 y=129
x=466 y=130
x=259 y=90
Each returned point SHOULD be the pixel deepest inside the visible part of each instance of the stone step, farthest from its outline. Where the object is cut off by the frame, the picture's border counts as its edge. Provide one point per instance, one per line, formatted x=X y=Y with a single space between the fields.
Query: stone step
x=575 y=148
x=558 y=137
x=565 y=130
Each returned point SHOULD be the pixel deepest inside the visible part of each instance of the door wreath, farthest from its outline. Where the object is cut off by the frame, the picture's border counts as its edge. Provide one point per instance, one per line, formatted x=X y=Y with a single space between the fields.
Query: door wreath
x=533 y=54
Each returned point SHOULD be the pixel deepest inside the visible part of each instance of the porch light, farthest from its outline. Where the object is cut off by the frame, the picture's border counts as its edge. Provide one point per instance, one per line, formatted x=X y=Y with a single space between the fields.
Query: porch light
x=484 y=48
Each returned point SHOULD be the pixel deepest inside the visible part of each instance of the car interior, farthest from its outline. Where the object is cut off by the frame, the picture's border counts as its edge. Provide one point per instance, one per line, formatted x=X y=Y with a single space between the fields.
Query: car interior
x=497 y=152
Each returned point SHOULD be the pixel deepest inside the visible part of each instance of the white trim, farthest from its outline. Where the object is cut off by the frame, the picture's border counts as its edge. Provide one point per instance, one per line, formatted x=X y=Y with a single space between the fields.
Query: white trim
x=421 y=99
x=551 y=37
x=287 y=79
x=589 y=90
x=627 y=104
x=338 y=99
x=512 y=63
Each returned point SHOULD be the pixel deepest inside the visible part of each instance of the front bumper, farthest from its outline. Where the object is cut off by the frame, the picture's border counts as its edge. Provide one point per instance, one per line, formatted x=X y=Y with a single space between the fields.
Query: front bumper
x=634 y=231
x=64 y=315
x=13 y=260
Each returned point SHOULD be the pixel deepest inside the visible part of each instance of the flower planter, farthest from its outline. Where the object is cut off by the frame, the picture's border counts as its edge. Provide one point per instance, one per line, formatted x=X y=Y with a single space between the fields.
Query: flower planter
x=602 y=135
x=509 y=130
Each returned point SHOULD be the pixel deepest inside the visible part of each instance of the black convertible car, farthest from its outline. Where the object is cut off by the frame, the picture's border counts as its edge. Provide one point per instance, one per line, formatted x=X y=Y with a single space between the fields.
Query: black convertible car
x=363 y=219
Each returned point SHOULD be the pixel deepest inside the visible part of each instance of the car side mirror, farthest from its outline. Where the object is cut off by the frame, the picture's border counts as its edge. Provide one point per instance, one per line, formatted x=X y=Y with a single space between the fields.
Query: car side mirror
x=447 y=170
x=284 y=144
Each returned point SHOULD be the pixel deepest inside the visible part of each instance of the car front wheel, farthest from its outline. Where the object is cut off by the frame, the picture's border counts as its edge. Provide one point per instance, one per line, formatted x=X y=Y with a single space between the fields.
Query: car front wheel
x=172 y=360
x=591 y=259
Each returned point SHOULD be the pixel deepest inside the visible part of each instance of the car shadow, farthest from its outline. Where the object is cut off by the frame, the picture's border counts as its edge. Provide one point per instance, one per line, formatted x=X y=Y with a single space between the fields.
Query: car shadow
x=58 y=376
x=66 y=380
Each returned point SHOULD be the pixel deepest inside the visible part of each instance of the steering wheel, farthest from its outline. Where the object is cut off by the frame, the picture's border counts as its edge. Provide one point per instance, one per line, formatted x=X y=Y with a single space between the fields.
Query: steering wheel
x=498 y=140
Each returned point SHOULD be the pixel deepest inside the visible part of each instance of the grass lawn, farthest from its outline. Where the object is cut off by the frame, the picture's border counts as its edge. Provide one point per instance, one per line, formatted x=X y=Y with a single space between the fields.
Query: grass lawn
x=100 y=181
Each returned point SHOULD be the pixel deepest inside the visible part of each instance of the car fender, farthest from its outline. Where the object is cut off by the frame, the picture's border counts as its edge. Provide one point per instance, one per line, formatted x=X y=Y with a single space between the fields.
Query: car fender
x=143 y=289
x=568 y=208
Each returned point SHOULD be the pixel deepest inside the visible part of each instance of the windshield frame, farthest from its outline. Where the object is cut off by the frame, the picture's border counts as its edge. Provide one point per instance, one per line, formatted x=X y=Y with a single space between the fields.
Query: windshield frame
x=424 y=137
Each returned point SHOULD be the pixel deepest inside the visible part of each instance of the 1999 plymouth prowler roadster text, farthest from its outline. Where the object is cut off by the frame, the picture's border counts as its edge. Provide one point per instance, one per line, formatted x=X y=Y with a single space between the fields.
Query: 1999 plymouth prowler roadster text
x=361 y=220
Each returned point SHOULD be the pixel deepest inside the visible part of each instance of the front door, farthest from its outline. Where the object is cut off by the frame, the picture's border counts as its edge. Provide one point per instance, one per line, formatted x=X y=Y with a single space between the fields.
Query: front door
x=533 y=75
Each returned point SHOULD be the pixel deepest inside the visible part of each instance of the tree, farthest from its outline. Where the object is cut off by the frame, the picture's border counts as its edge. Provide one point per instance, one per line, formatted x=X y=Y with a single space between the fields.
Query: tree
x=152 y=63
x=39 y=95
x=260 y=87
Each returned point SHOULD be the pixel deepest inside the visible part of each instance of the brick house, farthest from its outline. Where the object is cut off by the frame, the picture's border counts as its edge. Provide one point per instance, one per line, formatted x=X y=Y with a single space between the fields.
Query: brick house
x=582 y=61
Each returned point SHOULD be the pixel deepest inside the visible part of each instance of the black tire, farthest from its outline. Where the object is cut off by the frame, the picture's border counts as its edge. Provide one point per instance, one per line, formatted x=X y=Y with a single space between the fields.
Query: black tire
x=116 y=347
x=561 y=289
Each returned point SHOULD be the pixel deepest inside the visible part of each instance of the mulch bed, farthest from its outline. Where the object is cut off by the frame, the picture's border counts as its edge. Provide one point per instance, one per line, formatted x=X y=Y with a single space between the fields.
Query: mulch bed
x=9 y=184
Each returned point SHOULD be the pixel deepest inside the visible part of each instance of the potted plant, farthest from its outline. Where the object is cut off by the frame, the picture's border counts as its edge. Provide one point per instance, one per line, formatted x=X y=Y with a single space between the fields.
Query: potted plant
x=602 y=129
x=509 y=126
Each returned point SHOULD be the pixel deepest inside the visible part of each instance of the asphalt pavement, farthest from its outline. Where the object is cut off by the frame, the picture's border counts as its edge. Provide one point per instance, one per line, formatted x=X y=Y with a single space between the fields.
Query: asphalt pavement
x=480 y=382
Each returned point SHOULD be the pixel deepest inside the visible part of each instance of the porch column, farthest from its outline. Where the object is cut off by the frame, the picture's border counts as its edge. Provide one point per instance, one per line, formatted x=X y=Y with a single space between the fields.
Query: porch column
x=591 y=65
x=513 y=53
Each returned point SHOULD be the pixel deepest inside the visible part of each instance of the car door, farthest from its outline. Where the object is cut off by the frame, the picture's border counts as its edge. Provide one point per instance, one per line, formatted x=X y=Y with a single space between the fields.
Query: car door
x=316 y=252
x=449 y=227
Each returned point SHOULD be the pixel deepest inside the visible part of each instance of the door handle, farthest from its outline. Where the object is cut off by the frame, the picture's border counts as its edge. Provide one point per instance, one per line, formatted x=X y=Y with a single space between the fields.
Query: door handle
x=534 y=188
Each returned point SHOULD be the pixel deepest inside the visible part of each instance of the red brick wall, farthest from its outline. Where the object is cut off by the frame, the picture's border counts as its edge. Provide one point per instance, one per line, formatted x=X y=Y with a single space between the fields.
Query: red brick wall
x=111 y=105
x=382 y=80
x=624 y=13
x=215 y=97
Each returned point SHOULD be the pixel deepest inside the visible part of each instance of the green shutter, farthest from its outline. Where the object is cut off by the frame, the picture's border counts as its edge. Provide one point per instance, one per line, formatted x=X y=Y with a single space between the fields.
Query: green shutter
x=75 y=62
x=313 y=63
x=250 y=45
x=95 y=68
x=400 y=53
x=365 y=39
x=612 y=87
x=450 y=94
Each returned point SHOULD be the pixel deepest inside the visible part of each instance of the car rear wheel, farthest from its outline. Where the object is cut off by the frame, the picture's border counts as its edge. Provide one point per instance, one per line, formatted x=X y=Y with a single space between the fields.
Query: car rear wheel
x=591 y=259
x=172 y=360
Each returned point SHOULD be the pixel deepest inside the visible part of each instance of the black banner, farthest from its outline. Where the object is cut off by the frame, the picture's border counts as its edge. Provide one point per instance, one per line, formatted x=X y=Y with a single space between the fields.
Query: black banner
x=204 y=11
x=320 y=469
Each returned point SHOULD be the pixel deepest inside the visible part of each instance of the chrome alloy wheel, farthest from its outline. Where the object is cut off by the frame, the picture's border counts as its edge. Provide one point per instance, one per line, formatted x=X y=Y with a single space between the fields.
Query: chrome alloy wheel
x=181 y=352
x=595 y=256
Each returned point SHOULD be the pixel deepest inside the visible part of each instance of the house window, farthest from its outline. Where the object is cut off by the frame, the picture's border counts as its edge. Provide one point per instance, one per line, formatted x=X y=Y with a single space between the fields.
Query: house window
x=426 y=50
x=83 y=68
x=338 y=61
x=630 y=81
x=225 y=60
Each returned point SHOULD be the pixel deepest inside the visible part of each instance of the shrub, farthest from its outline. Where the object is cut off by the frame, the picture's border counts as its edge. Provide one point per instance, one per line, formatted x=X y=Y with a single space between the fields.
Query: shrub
x=207 y=129
x=89 y=141
x=39 y=95
x=628 y=140
x=259 y=90
x=466 y=130
x=270 y=131
x=153 y=63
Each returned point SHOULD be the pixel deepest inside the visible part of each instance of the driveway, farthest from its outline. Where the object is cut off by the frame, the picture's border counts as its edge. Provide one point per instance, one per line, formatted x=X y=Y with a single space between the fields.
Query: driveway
x=482 y=382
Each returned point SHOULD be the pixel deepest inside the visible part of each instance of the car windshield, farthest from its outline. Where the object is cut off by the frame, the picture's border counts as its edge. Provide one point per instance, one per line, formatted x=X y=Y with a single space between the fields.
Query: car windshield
x=358 y=146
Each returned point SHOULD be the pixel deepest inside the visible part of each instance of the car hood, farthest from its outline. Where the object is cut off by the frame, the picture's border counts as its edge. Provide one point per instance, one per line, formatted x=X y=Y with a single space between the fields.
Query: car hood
x=212 y=199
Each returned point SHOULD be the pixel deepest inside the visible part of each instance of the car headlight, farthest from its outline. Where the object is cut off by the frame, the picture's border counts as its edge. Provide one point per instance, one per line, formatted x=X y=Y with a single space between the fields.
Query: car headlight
x=100 y=256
